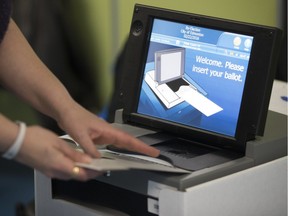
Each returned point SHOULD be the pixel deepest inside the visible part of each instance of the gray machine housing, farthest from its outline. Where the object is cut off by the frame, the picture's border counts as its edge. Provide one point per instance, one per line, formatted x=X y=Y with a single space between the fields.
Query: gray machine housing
x=271 y=146
x=115 y=190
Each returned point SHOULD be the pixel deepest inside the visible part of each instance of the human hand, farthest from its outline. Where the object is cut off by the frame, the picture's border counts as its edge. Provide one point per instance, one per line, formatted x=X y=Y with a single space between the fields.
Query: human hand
x=89 y=130
x=46 y=152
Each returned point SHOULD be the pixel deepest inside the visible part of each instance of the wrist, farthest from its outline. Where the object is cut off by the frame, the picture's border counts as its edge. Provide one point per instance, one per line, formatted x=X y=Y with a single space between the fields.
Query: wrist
x=67 y=115
x=16 y=145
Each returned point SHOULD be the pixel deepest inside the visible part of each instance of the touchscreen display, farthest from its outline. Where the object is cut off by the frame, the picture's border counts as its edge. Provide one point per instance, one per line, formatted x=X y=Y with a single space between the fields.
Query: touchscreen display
x=195 y=76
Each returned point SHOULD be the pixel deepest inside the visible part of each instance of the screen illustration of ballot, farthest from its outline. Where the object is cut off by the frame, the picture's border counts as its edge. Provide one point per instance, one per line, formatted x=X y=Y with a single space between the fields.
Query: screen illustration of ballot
x=172 y=86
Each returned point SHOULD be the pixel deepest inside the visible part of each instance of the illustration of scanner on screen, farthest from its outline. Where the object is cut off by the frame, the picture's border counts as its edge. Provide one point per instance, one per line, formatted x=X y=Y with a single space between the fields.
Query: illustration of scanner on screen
x=170 y=84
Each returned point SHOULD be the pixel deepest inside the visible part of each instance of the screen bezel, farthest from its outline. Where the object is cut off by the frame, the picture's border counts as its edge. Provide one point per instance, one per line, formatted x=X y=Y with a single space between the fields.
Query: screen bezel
x=260 y=73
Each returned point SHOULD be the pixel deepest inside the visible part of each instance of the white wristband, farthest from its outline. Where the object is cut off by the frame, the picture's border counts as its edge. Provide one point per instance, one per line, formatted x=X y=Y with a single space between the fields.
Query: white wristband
x=15 y=147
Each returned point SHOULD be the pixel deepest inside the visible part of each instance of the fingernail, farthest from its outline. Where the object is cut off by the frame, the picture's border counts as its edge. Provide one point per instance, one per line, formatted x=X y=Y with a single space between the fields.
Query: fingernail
x=157 y=153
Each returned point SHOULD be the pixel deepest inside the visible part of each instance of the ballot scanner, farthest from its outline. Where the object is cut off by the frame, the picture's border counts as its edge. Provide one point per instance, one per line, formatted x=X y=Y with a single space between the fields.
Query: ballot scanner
x=138 y=192
x=200 y=79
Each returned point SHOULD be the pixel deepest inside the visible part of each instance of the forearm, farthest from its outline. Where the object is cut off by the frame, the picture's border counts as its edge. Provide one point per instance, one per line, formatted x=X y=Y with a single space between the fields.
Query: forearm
x=22 y=72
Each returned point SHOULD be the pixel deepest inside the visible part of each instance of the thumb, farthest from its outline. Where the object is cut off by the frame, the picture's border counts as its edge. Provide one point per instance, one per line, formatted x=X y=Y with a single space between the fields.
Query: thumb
x=74 y=155
x=88 y=146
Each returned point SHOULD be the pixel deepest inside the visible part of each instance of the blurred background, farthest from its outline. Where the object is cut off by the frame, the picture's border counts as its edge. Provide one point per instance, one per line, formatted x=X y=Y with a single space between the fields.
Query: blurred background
x=81 y=41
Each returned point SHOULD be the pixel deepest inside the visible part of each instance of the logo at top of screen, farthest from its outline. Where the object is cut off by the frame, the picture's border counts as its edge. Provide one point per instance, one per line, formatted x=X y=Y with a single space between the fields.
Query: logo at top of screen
x=247 y=43
x=237 y=41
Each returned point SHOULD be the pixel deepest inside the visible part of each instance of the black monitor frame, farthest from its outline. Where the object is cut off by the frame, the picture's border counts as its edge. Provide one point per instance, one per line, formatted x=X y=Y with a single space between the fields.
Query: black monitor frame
x=257 y=89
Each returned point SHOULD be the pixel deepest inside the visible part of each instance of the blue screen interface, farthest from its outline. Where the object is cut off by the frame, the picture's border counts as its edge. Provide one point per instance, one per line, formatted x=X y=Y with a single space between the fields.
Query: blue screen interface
x=195 y=76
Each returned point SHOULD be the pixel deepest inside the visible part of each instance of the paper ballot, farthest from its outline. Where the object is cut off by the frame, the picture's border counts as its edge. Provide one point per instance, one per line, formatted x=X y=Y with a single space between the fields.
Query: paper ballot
x=199 y=101
x=114 y=161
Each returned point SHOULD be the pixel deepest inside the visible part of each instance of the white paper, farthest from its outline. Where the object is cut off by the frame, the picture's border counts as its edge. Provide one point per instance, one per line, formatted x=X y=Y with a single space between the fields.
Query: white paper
x=199 y=101
x=111 y=161
x=119 y=161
